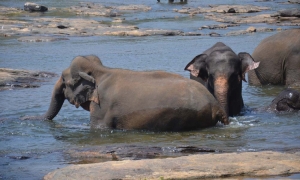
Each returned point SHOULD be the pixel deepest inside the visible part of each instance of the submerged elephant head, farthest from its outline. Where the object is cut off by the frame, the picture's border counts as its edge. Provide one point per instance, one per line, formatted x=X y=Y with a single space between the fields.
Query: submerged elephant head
x=288 y=100
x=222 y=72
x=76 y=84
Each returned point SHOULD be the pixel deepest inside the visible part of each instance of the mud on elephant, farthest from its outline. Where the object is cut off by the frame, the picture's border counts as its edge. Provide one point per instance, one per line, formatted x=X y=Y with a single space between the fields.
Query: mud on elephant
x=279 y=57
x=124 y=99
x=222 y=72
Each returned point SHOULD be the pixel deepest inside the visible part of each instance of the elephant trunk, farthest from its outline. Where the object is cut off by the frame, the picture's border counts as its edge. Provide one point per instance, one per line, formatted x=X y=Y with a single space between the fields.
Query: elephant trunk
x=57 y=100
x=221 y=92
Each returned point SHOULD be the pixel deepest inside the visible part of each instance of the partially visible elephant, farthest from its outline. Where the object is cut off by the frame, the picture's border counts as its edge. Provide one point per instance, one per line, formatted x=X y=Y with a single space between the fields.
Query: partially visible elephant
x=124 y=99
x=279 y=57
x=222 y=72
x=288 y=101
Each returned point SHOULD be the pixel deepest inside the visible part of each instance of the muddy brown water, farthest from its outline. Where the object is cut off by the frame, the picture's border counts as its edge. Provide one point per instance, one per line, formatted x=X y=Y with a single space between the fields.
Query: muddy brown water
x=30 y=148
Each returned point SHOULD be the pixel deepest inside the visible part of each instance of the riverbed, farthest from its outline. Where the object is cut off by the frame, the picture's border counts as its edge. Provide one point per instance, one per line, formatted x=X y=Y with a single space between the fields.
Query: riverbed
x=29 y=149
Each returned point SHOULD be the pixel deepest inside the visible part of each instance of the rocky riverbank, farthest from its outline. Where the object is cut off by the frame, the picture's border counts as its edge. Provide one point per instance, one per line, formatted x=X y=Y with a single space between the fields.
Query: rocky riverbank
x=80 y=22
x=227 y=165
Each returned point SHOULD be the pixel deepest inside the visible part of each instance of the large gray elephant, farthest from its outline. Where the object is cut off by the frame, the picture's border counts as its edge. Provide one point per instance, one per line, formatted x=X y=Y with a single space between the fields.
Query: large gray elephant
x=124 y=99
x=279 y=57
x=222 y=72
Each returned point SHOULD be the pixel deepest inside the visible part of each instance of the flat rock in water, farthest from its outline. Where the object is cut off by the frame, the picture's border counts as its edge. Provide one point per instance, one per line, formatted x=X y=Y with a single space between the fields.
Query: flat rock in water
x=40 y=39
x=294 y=1
x=17 y=78
x=247 y=164
x=33 y=7
x=290 y=12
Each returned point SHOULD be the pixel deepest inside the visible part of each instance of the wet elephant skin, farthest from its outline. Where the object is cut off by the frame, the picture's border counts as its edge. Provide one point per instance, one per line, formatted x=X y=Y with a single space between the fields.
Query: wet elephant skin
x=124 y=99
x=221 y=70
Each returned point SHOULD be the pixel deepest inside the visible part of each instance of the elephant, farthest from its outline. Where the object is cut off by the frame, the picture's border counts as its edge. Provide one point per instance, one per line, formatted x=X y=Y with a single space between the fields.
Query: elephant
x=222 y=72
x=279 y=57
x=134 y=100
x=287 y=101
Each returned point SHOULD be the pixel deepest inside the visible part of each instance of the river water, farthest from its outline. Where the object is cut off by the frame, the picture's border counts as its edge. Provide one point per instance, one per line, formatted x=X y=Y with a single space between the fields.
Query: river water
x=29 y=149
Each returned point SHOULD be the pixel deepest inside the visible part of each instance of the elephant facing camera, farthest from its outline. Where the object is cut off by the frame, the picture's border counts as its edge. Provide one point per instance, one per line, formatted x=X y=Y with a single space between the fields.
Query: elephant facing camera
x=221 y=70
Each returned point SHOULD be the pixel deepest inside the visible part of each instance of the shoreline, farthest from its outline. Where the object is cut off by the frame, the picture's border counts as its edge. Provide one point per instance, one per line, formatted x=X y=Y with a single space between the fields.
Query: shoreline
x=214 y=166
x=82 y=20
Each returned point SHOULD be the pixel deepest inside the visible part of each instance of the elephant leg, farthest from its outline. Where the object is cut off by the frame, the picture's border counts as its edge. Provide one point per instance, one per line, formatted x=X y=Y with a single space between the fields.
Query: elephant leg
x=292 y=73
x=97 y=116
x=292 y=77
x=253 y=79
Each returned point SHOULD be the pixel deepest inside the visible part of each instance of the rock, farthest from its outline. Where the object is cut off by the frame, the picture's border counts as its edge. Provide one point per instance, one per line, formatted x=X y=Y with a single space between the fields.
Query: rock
x=143 y=32
x=214 y=34
x=212 y=165
x=16 y=78
x=192 y=34
x=93 y=9
x=219 y=26
x=85 y=157
x=231 y=10
x=229 y=16
x=294 y=1
x=290 y=12
x=61 y=27
x=127 y=33
x=251 y=29
x=134 y=8
x=33 y=7
x=40 y=39
x=223 y=9
x=19 y=157
x=236 y=33
x=260 y=18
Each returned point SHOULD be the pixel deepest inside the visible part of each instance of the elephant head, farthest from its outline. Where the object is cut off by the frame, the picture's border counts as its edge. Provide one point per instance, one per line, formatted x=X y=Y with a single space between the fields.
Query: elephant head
x=222 y=72
x=288 y=100
x=76 y=84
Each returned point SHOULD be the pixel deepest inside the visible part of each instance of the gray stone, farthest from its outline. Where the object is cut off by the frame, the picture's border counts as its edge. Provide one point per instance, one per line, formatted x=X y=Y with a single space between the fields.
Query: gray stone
x=290 y=12
x=294 y=1
x=223 y=9
x=249 y=30
x=40 y=39
x=249 y=164
x=33 y=7
x=16 y=78
x=219 y=26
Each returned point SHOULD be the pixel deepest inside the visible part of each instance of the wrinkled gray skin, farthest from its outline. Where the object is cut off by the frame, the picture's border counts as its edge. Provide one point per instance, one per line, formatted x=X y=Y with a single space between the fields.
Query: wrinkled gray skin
x=279 y=57
x=124 y=99
x=222 y=72
x=288 y=101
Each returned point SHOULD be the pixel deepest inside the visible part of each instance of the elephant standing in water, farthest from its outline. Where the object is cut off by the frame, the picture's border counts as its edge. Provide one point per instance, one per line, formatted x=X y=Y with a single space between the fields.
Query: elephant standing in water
x=279 y=57
x=222 y=72
x=288 y=101
x=124 y=99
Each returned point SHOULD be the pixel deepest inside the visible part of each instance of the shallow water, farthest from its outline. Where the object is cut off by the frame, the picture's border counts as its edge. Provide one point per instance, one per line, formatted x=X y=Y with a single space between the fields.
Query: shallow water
x=30 y=148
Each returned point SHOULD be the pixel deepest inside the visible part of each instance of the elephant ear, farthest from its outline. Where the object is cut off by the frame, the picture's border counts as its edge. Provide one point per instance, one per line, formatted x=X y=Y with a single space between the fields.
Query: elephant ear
x=87 y=77
x=197 y=67
x=247 y=64
x=93 y=96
